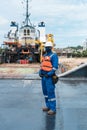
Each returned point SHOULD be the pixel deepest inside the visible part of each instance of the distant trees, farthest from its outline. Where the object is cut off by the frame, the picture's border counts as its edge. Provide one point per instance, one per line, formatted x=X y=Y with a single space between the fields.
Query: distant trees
x=84 y=53
x=0 y=50
x=79 y=47
x=76 y=48
x=79 y=53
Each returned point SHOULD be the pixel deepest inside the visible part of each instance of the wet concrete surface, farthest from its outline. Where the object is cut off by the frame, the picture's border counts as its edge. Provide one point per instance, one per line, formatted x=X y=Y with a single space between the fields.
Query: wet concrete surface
x=21 y=102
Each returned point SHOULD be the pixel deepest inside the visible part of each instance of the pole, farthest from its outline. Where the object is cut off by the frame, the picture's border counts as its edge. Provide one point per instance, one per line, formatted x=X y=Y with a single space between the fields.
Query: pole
x=41 y=53
x=27 y=12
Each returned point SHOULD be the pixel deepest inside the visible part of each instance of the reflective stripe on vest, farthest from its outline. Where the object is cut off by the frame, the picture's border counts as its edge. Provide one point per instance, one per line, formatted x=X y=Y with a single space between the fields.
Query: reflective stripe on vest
x=52 y=99
x=46 y=64
x=45 y=96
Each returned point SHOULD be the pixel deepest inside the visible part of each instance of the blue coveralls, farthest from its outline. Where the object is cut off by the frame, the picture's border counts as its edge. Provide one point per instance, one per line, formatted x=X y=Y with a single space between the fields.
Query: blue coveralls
x=48 y=87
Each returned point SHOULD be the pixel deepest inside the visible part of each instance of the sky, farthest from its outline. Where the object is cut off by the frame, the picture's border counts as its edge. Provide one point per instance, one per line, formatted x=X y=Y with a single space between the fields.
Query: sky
x=65 y=19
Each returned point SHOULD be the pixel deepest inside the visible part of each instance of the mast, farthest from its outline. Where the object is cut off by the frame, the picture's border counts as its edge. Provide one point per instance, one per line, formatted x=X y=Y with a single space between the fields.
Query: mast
x=27 y=19
x=27 y=12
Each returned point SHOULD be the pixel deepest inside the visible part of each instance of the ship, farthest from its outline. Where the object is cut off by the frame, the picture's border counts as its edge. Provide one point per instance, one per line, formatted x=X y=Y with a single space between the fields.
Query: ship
x=25 y=44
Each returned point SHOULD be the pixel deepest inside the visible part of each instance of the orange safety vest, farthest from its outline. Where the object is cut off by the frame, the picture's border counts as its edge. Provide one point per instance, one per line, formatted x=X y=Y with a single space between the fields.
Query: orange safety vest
x=46 y=64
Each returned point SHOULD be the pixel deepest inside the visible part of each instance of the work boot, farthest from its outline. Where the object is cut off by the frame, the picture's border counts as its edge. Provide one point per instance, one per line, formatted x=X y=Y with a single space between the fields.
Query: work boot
x=50 y=112
x=45 y=109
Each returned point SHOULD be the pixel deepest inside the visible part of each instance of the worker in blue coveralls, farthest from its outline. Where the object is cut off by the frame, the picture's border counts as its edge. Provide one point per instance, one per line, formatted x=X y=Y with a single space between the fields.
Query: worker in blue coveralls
x=49 y=65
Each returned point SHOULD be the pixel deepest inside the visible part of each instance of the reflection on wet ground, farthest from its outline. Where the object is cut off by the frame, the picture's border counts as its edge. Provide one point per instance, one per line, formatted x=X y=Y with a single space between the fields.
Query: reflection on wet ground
x=21 y=102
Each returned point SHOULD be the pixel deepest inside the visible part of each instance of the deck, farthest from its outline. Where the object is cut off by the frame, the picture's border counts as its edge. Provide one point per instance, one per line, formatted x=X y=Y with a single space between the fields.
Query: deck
x=21 y=104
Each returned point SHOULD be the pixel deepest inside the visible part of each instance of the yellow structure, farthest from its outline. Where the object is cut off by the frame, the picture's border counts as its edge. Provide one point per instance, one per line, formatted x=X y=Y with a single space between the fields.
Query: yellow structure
x=49 y=37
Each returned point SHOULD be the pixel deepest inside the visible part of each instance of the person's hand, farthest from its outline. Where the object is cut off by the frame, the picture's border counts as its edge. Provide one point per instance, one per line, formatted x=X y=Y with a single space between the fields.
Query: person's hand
x=50 y=73
x=40 y=74
x=46 y=75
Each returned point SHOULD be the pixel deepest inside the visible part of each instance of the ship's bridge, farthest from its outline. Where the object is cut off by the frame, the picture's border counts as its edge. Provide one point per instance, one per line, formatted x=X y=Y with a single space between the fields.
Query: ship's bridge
x=27 y=34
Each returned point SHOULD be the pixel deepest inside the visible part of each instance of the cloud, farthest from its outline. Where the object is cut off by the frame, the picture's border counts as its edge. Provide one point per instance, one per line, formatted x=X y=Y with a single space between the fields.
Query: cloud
x=61 y=15
x=65 y=19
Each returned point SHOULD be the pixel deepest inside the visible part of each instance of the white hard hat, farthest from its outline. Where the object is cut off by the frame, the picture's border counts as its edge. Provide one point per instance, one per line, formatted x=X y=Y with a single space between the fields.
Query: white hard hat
x=48 y=44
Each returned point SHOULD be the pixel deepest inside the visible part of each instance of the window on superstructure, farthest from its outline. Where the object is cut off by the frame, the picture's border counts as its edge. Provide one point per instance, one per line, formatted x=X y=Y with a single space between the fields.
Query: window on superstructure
x=24 y=31
x=28 y=32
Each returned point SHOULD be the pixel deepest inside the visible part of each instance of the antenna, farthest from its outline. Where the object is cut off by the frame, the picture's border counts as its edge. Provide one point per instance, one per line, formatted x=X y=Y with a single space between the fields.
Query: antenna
x=27 y=19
